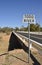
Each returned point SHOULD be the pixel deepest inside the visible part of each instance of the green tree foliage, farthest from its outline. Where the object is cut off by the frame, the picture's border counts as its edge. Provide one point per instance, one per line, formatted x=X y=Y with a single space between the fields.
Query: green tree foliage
x=41 y=29
x=32 y=27
x=6 y=29
x=23 y=28
x=35 y=27
x=16 y=29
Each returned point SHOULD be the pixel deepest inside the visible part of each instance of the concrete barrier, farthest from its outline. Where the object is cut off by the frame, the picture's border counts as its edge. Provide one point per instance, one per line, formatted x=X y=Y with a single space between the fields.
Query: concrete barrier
x=37 y=33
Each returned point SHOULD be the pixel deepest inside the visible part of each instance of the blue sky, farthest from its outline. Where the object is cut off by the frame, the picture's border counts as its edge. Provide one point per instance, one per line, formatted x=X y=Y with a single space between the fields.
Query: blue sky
x=12 y=11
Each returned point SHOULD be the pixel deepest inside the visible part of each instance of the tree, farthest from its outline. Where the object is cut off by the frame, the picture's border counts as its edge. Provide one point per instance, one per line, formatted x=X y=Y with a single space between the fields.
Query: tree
x=41 y=29
x=16 y=29
x=32 y=27
x=37 y=27
x=23 y=28
x=6 y=29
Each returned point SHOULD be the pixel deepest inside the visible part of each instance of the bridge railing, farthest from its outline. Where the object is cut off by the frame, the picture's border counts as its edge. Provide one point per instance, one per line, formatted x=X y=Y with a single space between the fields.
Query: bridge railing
x=33 y=43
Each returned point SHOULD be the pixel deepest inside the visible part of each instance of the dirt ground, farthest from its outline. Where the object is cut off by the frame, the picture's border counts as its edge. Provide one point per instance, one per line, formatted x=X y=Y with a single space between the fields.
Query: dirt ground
x=4 y=42
x=17 y=56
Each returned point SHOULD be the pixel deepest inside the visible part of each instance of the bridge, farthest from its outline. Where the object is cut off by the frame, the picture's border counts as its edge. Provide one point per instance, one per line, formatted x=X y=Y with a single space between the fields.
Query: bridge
x=35 y=41
x=19 y=40
x=35 y=38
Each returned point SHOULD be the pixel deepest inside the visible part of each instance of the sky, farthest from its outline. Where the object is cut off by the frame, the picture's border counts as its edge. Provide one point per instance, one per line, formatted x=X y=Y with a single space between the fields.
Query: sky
x=12 y=11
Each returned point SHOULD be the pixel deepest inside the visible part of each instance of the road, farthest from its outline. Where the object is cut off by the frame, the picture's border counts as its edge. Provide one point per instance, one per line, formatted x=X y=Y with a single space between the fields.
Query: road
x=37 y=38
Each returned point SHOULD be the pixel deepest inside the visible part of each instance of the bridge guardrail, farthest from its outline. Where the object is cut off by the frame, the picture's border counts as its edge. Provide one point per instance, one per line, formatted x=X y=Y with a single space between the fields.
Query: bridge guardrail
x=33 y=43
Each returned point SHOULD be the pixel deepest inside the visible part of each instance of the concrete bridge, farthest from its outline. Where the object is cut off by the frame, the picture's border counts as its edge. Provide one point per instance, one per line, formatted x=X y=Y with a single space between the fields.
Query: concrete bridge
x=18 y=41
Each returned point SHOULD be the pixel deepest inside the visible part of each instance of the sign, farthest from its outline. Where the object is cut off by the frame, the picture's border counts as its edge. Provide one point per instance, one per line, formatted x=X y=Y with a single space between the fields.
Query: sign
x=29 y=18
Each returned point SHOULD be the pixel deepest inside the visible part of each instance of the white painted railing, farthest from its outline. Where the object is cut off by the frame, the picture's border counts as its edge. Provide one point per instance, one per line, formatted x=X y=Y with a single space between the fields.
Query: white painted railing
x=23 y=37
x=38 y=33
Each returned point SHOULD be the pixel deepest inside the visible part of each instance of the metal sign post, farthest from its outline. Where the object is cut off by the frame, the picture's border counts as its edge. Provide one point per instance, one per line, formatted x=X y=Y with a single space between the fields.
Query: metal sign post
x=29 y=19
x=29 y=41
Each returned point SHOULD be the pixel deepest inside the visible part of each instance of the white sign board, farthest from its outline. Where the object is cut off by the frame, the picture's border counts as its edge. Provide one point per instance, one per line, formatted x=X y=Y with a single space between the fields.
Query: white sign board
x=29 y=18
